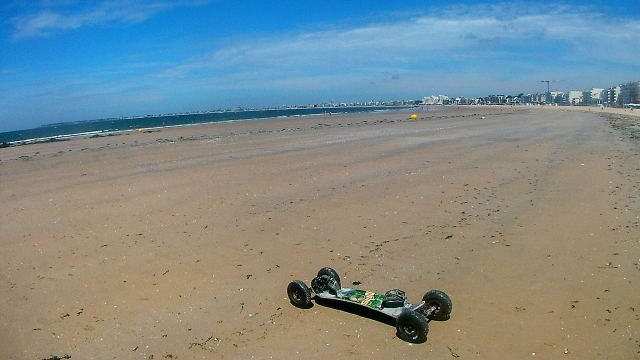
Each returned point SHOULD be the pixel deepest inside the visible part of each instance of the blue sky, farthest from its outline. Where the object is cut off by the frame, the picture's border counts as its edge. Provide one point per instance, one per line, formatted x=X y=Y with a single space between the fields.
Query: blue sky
x=68 y=60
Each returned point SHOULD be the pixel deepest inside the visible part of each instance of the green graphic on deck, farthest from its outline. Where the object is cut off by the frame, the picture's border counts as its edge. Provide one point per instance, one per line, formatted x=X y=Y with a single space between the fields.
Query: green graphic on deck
x=362 y=297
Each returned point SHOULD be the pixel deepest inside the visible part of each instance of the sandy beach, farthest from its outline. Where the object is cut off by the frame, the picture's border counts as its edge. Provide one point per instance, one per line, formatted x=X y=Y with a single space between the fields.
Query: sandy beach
x=180 y=243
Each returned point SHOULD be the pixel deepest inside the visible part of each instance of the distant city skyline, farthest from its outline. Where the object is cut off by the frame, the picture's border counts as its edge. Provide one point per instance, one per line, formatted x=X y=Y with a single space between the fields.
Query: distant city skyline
x=621 y=95
x=67 y=60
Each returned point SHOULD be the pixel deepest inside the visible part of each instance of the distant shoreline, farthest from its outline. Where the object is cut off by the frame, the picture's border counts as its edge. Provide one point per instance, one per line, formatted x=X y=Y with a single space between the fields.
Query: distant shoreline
x=103 y=127
x=626 y=122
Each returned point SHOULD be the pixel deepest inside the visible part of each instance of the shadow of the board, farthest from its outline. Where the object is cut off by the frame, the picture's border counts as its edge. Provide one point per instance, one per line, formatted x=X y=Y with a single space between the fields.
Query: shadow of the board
x=356 y=309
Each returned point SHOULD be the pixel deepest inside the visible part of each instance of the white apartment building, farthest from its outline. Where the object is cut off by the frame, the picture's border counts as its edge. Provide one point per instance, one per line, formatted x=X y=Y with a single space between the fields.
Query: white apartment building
x=435 y=100
x=610 y=96
x=574 y=97
x=557 y=97
x=592 y=96
x=629 y=93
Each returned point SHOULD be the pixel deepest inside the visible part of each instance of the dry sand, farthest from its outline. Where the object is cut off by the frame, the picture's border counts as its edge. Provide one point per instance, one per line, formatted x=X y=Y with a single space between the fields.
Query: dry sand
x=180 y=243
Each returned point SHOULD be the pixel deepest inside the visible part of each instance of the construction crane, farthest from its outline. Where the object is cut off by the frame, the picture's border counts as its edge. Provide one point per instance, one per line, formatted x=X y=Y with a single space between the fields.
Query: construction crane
x=548 y=95
x=548 y=81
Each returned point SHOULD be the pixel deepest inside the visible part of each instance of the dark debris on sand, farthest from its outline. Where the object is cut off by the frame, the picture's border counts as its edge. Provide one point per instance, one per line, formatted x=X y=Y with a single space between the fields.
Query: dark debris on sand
x=627 y=125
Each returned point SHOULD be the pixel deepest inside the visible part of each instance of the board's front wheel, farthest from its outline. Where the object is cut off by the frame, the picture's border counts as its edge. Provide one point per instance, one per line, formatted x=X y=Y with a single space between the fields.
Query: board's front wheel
x=412 y=327
x=299 y=294
x=441 y=302
x=330 y=273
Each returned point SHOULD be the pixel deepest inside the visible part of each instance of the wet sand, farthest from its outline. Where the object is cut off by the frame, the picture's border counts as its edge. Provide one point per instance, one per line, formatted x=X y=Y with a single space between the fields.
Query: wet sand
x=180 y=243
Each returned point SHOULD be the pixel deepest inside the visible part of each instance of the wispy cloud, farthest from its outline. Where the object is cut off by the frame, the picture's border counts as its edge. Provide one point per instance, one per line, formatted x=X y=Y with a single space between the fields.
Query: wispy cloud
x=54 y=16
x=464 y=38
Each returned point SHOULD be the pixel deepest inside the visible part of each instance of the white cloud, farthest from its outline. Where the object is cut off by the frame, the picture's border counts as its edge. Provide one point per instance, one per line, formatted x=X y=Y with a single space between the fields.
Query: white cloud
x=55 y=17
x=494 y=36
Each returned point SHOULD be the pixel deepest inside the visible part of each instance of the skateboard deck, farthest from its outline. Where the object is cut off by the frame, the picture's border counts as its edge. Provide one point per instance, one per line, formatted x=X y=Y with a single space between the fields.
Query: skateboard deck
x=365 y=298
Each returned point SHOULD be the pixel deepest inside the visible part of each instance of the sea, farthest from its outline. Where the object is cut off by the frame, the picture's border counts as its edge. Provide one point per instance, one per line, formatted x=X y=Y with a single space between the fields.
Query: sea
x=67 y=130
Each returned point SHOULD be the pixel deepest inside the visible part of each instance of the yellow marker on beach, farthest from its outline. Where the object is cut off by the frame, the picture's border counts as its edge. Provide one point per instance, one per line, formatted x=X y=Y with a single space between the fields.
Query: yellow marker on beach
x=414 y=116
x=139 y=130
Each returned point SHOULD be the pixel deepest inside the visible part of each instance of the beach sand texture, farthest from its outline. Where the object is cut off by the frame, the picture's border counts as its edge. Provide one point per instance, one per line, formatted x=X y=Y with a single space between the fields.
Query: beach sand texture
x=180 y=243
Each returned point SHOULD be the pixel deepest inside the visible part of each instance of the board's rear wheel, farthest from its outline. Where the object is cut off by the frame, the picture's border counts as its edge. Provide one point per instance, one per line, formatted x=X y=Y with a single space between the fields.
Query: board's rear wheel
x=299 y=294
x=412 y=327
x=441 y=302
